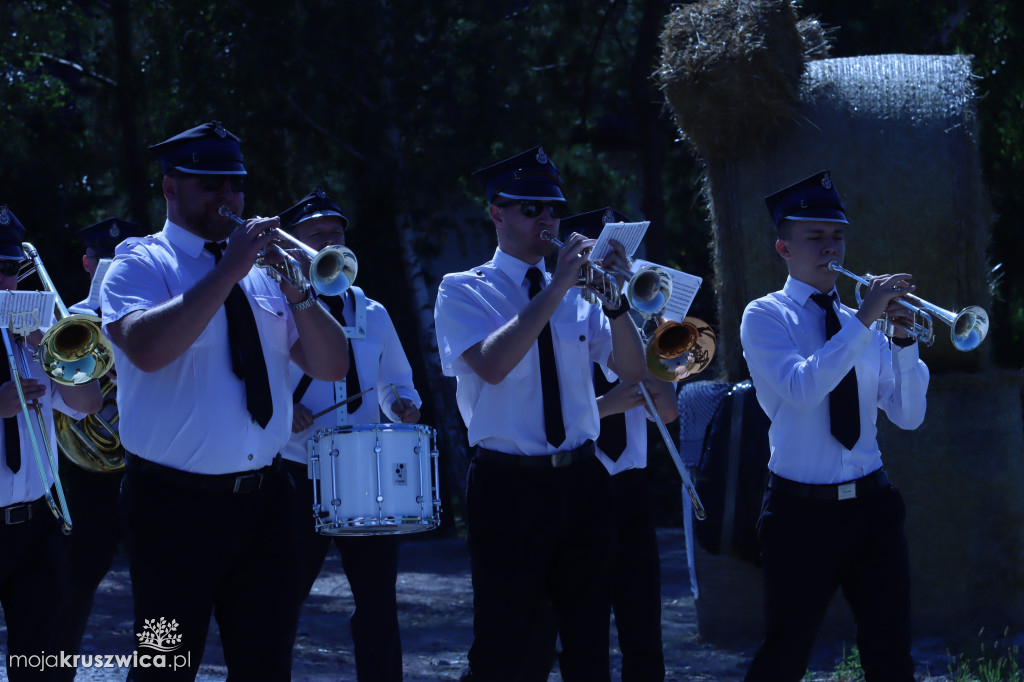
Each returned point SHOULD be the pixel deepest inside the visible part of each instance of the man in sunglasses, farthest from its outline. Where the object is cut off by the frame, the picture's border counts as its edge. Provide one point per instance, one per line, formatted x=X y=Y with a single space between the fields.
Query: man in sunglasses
x=35 y=584
x=521 y=342
x=203 y=342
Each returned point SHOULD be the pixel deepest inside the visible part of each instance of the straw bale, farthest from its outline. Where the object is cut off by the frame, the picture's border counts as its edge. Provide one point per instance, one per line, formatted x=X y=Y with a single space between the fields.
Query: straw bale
x=730 y=70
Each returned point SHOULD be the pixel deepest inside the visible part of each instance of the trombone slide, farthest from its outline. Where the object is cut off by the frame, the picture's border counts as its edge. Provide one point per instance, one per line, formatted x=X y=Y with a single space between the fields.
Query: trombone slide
x=688 y=487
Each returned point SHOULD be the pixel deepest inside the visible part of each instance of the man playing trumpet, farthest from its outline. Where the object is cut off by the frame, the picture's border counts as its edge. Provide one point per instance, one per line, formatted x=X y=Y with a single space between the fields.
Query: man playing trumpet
x=521 y=343
x=203 y=343
x=378 y=363
x=830 y=518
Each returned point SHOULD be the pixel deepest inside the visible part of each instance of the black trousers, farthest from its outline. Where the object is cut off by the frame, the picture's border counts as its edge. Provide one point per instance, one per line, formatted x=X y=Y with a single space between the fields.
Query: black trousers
x=636 y=599
x=810 y=548
x=636 y=593
x=34 y=592
x=371 y=566
x=193 y=552
x=538 y=536
x=92 y=501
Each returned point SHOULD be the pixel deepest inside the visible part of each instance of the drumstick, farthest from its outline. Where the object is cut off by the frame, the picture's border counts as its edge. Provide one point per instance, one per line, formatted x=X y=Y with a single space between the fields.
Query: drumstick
x=398 y=405
x=343 y=402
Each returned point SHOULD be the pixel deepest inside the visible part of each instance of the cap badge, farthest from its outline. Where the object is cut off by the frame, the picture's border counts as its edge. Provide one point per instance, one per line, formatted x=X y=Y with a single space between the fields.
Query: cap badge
x=218 y=129
x=826 y=181
x=114 y=231
x=608 y=217
x=541 y=157
x=320 y=193
x=803 y=203
x=5 y=217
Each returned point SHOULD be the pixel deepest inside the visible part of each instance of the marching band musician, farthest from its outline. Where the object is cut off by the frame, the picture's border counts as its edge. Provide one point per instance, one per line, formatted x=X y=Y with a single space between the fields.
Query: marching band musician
x=34 y=582
x=376 y=361
x=521 y=343
x=830 y=518
x=636 y=565
x=202 y=346
x=92 y=495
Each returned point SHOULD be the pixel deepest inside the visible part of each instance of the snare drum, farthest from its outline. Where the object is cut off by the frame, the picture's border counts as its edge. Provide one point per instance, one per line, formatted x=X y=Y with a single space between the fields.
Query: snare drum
x=371 y=479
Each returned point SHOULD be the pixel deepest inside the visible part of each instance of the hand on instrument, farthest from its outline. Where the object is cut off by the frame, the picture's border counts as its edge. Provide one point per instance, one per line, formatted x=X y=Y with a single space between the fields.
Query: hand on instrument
x=245 y=244
x=616 y=262
x=620 y=398
x=302 y=418
x=883 y=291
x=570 y=259
x=406 y=411
x=10 y=404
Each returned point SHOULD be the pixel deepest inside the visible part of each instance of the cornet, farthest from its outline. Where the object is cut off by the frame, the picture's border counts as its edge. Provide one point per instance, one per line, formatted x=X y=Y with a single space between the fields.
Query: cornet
x=647 y=290
x=331 y=272
x=968 y=327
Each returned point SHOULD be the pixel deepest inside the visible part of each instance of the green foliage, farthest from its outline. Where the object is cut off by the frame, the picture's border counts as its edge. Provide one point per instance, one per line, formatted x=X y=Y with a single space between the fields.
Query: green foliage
x=994 y=663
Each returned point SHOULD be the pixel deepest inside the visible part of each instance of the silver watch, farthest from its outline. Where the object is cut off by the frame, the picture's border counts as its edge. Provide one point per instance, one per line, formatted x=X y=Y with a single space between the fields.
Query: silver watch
x=307 y=302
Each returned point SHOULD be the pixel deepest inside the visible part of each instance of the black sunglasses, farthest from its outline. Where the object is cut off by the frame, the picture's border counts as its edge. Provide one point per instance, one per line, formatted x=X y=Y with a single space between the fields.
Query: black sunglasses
x=532 y=208
x=213 y=183
x=10 y=268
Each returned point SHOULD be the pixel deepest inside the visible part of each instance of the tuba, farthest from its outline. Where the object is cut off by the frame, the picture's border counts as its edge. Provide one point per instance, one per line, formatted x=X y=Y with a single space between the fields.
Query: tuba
x=93 y=443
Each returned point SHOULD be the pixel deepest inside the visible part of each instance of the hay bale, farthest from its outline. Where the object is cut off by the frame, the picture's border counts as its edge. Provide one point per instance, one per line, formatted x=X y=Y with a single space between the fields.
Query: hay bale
x=730 y=70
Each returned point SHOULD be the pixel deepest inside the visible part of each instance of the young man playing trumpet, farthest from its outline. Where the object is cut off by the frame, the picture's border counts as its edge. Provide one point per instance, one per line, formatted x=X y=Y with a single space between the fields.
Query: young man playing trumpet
x=203 y=343
x=521 y=343
x=830 y=517
x=376 y=363
x=35 y=583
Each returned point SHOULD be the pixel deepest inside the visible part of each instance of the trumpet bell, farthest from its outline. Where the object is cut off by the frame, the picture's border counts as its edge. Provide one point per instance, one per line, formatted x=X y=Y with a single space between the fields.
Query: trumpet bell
x=649 y=290
x=969 y=328
x=680 y=350
x=333 y=270
x=74 y=351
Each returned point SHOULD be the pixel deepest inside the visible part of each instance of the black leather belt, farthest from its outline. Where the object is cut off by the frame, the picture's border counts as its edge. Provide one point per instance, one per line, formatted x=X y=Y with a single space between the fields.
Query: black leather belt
x=558 y=460
x=243 y=482
x=17 y=514
x=851 y=490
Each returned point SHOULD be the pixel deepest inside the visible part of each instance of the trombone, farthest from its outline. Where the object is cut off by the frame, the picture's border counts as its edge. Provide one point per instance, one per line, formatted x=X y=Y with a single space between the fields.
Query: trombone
x=331 y=272
x=968 y=327
x=72 y=352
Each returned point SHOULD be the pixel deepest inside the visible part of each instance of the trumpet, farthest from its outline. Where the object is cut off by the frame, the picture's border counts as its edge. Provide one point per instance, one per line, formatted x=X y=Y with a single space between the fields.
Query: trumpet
x=968 y=327
x=331 y=272
x=647 y=290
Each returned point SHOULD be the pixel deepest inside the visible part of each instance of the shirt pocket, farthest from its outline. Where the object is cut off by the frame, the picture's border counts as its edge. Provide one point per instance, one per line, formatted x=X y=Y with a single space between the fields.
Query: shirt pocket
x=272 y=321
x=572 y=343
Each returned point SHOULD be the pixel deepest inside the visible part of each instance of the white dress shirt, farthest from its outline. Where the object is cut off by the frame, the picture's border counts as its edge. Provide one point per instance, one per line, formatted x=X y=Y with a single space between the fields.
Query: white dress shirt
x=380 y=363
x=191 y=414
x=26 y=485
x=634 y=455
x=794 y=369
x=509 y=416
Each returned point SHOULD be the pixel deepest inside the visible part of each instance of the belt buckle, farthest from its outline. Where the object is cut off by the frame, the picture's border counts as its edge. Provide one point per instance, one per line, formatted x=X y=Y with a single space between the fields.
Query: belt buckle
x=241 y=479
x=847 y=491
x=561 y=459
x=22 y=514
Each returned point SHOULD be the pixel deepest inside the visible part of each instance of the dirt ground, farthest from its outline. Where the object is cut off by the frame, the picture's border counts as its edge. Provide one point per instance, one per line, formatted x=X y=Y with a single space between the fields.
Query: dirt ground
x=435 y=610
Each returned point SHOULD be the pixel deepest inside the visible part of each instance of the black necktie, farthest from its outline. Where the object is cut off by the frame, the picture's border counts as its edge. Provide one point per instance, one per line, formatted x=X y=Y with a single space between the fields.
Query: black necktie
x=246 y=350
x=844 y=404
x=554 y=427
x=337 y=307
x=612 y=439
x=12 y=442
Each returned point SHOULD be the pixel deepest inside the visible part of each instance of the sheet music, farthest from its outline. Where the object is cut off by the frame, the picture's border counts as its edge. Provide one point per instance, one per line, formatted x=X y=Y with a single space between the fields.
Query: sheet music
x=628 y=234
x=26 y=311
x=684 y=290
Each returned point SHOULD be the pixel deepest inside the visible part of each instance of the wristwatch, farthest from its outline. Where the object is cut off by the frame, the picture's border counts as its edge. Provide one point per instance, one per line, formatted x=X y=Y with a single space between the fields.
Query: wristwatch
x=617 y=312
x=307 y=302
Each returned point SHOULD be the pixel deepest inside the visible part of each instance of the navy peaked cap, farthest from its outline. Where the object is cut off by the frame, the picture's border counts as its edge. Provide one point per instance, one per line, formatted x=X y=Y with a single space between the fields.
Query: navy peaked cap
x=12 y=234
x=208 y=149
x=316 y=204
x=529 y=175
x=591 y=223
x=813 y=198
